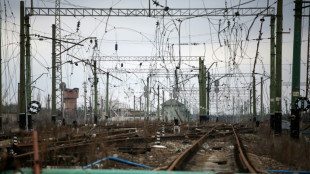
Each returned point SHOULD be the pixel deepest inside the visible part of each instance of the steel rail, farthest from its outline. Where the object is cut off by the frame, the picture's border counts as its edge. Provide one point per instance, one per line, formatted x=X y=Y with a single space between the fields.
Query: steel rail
x=109 y=141
x=244 y=160
x=188 y=152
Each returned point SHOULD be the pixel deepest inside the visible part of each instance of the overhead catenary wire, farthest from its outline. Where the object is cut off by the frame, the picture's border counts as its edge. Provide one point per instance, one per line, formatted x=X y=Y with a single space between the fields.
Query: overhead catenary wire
x=236 y=44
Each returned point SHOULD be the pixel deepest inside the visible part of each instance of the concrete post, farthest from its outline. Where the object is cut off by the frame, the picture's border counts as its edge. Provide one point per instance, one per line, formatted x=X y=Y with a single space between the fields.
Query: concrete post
x=22 y=90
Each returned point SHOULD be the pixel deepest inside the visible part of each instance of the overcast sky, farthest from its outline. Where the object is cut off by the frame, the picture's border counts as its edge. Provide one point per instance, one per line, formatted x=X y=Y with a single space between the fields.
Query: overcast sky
x=141 y=36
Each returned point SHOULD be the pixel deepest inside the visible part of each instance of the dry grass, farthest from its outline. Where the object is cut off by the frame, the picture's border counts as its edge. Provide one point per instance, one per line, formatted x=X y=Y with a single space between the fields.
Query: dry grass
x=291 y=152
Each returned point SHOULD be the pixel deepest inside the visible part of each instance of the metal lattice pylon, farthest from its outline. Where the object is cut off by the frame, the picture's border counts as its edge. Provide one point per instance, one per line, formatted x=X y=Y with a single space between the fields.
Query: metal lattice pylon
x=59 y=98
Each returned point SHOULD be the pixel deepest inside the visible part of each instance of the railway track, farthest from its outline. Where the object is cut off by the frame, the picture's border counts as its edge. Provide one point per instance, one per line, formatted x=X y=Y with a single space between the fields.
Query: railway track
x=55 y=149
x=128 y=138
x=219 y=150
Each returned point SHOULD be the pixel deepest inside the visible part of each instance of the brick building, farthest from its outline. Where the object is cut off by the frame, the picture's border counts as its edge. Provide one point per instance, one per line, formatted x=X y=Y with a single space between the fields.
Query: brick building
x=70 y=98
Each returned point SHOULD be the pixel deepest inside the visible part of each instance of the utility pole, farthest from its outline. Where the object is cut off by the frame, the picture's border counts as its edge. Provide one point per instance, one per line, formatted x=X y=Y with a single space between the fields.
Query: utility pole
x=0 y=68
x=200 y=81
x=107 y=110
x=58 y=62
x=272 y=71
x=62 y=101
x=158 y=105
x=286 y=110
x=233 y=109
x=28 y=66
x=28 y=72
x=254 y=99
x=204 y=95
x=244 y=110
x=140 y=103
x=134 y=102
x=48 y=102
x=208 y=97
x=90 y=109
x=54 y=74
x=101 y=107
x=149 y=8
x=85 y=102
x=261 y=99
x=147 y=97
x=278 y=84
x=295 y=114
x=217 y=103
x=202 y=90
x=250 y=103
x=163 y=107
x=175 y=93
x=22 y=90
x=308 y=60
x=96 y=93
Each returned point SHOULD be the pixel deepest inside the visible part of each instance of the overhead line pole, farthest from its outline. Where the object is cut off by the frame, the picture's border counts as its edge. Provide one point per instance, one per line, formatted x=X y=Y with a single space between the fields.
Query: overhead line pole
x=204 y=94
x=261 y=99
x=101 y=107
x=272 y=72
x=254 y=100
x=308 y=60
x=200 y=88
x=208 y=96
x=28 y=66
x=176 y=82
x=278 y=85
x=158 y=109
x=147 y=97
x=28 y=73
x=58 y=62
x=22 y=90
x=107 y=98
x=85 y=103
x=140 y=103
x=250 y=103
x=202 y=91
x=54 y=113
x=149 y=8
x=96 y=93
x=295 y=114
x=163 y=108
x=233 y=109
x=0 y=68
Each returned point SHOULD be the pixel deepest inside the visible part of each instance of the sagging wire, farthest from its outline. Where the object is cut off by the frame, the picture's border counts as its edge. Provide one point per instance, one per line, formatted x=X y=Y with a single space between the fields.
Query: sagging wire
x=267 y=8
